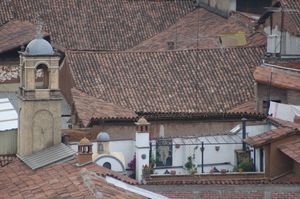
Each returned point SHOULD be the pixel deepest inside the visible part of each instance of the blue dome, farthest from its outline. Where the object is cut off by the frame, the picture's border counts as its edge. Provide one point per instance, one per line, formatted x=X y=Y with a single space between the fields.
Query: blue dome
x=103 y=137
x=39 y=46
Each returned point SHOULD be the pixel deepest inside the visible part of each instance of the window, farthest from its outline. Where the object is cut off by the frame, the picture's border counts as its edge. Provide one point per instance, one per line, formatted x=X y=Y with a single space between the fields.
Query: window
x=100 y=148
x=164 y=152
x=41 y=77
x=107 y=165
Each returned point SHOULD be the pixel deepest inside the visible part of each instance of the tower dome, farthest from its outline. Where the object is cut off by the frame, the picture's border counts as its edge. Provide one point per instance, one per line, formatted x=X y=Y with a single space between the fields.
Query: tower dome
x=142 y=121
x=84 y=141
x=103 y=137
x=39 y=46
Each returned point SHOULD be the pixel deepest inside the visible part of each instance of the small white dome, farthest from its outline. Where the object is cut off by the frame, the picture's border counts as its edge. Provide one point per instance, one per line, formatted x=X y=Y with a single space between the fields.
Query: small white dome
x=39 y=46
x=103 y=137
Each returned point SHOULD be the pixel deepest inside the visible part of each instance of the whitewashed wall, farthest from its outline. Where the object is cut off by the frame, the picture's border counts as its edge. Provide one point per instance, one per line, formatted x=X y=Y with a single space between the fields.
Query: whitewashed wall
x=127 y=147
x=290 y=43
x=115 y=164
x=226 y=152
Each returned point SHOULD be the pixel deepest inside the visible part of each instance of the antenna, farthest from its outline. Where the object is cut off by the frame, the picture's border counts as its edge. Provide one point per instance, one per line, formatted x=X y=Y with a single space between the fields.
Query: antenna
x=176 y=27
x=198 y=25
x=269 y=90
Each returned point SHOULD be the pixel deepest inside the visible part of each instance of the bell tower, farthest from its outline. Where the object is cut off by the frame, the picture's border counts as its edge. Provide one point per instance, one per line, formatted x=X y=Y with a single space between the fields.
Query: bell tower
x=39 y=98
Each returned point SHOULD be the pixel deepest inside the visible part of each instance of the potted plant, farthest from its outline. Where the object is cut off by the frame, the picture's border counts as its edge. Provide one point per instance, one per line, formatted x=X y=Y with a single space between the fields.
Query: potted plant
x=147 y=171
x=223 y=171
x=245 y=166
x=190 y=166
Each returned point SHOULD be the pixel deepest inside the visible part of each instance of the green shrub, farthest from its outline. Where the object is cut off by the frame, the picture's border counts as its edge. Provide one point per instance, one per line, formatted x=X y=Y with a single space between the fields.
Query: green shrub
x=246 y=166
x=189 y=164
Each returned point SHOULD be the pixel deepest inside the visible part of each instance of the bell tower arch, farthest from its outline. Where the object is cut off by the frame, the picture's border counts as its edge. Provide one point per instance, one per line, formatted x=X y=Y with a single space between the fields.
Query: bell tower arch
x=39 y=98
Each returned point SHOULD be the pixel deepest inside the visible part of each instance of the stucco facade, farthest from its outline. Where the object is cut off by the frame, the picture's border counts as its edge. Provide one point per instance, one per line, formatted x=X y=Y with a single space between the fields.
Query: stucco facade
x=170 y=128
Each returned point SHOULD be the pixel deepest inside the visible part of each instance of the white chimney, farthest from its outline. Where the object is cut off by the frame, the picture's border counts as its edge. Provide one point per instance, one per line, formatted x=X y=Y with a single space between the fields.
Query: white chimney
x=142 y=147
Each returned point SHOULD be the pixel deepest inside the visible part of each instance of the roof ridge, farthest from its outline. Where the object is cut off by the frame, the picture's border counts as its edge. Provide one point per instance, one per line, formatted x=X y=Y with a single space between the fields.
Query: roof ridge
x=165 y=51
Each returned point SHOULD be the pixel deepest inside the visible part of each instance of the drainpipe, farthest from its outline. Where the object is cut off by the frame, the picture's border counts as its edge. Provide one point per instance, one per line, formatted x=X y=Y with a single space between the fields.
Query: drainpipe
x=202 y=156
x=254 y=157
x=244 y=132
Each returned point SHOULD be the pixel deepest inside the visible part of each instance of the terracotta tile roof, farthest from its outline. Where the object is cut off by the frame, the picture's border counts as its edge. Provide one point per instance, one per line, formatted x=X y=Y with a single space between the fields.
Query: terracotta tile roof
x=9 y=74
x=88 y=107
x=211 y=179
x=284 y=123
x=7 y=13
x=270 y=136
x=201 y=25
x=15 y=34
x=291 y=15
x=247 y=107
x=288 y=63
x=291 y=149
x=280 y=78
x=211 y=80
x=285 y=128
x=62 y=180
x=98 y=24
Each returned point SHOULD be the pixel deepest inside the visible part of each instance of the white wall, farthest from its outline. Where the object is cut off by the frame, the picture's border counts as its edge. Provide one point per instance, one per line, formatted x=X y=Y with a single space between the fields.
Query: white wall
x=226 y=152
x=115 y=165
x=253 y=130
x=127 y=147
x=290 y=43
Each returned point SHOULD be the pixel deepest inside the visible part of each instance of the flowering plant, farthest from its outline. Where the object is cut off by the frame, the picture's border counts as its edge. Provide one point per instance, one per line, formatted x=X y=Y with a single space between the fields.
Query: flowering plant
x=147 y=169
x=132 y=167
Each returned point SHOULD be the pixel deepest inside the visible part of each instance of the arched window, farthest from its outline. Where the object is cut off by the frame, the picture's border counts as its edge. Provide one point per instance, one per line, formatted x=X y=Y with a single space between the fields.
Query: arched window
x=41 y=77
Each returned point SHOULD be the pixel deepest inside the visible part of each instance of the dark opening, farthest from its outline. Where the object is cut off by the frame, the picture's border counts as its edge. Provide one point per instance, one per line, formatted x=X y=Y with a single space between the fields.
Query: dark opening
x=107 y=165
x=261 y=160
x=41 y=77
x=253 y=6
x=100 y=148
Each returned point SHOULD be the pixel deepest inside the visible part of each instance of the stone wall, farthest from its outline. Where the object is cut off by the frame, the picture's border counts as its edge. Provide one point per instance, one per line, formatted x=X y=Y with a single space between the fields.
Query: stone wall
x=39 y=125
x=267 y=92
x=171 y=128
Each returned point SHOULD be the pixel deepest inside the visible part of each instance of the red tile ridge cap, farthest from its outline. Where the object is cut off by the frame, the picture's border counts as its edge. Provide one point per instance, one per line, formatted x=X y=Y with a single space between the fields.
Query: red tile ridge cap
x=73 y=51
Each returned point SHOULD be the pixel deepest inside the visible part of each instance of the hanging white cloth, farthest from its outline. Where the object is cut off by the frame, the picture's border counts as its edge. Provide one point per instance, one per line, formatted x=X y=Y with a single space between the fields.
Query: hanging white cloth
x=284 y=111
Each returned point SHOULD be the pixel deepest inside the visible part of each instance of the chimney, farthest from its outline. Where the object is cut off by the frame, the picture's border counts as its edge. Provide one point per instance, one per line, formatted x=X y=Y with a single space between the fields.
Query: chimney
x=141 y=146
x=85 y=152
